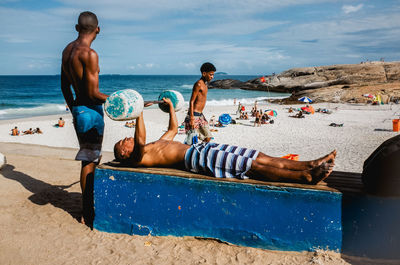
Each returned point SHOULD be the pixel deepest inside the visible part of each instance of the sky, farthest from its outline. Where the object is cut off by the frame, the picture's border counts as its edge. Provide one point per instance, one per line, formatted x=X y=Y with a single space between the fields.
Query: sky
x=248 y=37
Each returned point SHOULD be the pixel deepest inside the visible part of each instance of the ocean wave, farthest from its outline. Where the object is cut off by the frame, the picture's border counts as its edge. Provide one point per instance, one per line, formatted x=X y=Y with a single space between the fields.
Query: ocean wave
x=186 y=86
x=47 y=109
x=2 y=105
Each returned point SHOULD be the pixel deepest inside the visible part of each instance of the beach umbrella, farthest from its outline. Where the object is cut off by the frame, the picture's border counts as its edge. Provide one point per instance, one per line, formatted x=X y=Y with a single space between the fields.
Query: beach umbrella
x=305 y=99
x=271 y=112
x=225 y=119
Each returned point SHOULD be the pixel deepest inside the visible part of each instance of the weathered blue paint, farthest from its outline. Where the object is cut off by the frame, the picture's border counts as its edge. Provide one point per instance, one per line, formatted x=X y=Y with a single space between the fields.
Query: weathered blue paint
x=244 y=214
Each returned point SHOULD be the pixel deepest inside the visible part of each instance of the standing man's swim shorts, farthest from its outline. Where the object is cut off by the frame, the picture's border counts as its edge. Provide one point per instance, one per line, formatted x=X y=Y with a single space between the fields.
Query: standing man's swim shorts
x=89 y=127
x=220 y=160
x=200 y=125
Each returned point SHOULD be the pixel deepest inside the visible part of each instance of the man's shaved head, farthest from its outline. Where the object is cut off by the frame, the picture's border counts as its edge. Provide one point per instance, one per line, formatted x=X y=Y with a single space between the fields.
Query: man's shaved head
x=87 y=22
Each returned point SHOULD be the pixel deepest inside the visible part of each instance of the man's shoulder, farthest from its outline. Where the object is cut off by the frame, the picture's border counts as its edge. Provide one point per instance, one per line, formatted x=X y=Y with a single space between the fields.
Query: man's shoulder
x=82 y=51
x=200 y=85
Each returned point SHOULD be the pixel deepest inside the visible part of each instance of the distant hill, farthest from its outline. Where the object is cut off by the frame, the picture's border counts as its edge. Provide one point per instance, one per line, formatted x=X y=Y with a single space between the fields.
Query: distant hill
x=221 y=73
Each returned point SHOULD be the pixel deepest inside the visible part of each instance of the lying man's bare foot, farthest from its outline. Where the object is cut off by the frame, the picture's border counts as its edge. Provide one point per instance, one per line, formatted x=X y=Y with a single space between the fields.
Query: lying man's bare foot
x=328 y=158
x=321 y=172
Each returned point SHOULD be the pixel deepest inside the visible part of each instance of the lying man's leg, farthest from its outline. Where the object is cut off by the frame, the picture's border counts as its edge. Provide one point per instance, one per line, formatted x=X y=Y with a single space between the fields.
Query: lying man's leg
x=316 y=171
x=284 y=163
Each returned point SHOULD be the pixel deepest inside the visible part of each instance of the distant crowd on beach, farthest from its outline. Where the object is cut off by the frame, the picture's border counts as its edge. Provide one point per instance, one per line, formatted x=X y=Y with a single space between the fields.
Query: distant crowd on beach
x=260 y=116
x=16 y=132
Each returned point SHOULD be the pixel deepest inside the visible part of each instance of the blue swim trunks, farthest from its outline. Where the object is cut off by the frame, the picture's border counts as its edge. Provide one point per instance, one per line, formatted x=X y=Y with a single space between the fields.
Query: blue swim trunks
x=89 y=127
x=220 y=160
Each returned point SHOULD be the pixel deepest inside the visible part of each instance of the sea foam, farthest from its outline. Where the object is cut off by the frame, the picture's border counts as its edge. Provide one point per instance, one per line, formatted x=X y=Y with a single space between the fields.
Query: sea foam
x=47 y=109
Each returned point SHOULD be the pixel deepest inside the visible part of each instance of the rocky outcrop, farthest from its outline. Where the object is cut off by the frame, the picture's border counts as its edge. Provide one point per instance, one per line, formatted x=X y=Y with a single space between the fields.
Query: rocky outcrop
x=327 y=83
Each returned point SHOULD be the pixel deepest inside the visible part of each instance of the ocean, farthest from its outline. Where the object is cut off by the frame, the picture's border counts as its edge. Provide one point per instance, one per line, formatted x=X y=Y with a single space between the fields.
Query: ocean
x=28 y=96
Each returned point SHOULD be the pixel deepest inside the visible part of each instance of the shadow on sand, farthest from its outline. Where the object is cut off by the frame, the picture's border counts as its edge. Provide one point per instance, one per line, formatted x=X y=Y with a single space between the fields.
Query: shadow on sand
x=44 y=193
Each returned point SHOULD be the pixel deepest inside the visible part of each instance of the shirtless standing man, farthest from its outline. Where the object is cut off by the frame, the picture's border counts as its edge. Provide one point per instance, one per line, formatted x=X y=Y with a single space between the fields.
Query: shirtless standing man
x=80 y=69
x=195 y=118
x=218 y=160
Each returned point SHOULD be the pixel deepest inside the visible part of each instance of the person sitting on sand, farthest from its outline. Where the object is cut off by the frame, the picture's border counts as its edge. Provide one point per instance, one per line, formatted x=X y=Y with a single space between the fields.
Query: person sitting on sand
x=61 y=122
x=28 y=131
x=246 y=116
x=15 y=131
x=37 y=130
x=264 y=119
x=298 y=115
x=218 y=160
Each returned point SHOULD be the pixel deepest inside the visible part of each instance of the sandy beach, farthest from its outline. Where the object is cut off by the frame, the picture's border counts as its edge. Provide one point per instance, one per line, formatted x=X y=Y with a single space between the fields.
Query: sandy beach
x=40 y=193
x=365 y=127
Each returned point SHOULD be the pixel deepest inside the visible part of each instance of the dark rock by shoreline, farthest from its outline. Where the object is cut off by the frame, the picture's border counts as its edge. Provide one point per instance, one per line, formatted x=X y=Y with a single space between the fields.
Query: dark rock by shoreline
x=334 y=83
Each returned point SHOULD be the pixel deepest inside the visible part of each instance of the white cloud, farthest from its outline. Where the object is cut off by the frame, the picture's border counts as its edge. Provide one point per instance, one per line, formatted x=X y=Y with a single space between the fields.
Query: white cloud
x=347 y=9
x=145 y=10
x=242 y=27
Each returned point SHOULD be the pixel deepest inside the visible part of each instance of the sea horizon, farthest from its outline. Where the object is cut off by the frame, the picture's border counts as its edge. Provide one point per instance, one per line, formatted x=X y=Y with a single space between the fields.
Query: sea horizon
x=23 y=96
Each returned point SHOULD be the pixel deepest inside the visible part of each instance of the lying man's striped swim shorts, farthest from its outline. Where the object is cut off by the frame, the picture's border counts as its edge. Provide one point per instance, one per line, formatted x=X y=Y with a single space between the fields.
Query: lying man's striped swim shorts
x=220 y=160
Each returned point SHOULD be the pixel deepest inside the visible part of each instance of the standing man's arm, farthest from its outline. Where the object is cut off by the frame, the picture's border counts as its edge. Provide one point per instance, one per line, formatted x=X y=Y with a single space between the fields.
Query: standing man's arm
x=173 y=122
x=66 y=89
x=91 y=78
x=140 y=139
x=195 y=93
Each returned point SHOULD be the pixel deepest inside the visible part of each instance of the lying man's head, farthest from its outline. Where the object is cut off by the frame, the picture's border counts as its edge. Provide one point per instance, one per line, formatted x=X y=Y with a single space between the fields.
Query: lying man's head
x=123 y=149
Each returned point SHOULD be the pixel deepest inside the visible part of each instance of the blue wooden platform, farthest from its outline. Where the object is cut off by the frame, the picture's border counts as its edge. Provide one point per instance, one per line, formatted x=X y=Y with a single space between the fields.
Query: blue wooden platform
x=278 y=216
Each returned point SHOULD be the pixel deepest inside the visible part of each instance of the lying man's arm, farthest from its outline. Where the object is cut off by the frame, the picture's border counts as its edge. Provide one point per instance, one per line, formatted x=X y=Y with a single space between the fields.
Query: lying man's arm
x=140 y=139
x=173 y=122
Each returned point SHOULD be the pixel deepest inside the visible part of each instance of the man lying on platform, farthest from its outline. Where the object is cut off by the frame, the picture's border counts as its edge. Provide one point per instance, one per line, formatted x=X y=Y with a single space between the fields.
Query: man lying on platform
x=218 y=160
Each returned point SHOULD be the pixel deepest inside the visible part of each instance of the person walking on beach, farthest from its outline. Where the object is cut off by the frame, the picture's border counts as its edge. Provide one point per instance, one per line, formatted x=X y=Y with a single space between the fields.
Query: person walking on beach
x=195 y=118
x=239 y=109
x=218 y=160
x=80 y=69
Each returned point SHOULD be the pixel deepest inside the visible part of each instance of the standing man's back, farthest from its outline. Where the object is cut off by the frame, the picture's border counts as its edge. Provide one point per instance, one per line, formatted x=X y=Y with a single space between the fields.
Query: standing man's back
x=80 y=69
x=195 y=118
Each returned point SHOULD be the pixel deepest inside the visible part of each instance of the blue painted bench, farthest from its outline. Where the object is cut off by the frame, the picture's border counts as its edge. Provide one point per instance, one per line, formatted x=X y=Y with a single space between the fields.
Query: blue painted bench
x=338 y=216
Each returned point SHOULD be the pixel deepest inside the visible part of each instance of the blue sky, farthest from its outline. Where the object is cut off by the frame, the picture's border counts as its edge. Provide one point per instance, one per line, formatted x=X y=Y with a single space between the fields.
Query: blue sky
x=176 y=36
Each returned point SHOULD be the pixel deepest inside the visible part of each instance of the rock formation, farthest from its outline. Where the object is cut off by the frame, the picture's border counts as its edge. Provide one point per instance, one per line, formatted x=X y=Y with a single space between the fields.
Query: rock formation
x=332 y=83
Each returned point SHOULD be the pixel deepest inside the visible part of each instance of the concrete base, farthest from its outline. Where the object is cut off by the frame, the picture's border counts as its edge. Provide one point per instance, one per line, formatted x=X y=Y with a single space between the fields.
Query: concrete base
x=277 y=216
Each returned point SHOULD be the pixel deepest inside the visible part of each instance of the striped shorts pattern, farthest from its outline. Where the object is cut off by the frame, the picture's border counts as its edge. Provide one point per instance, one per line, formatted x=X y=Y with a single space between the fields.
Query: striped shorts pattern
x=220 y=160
